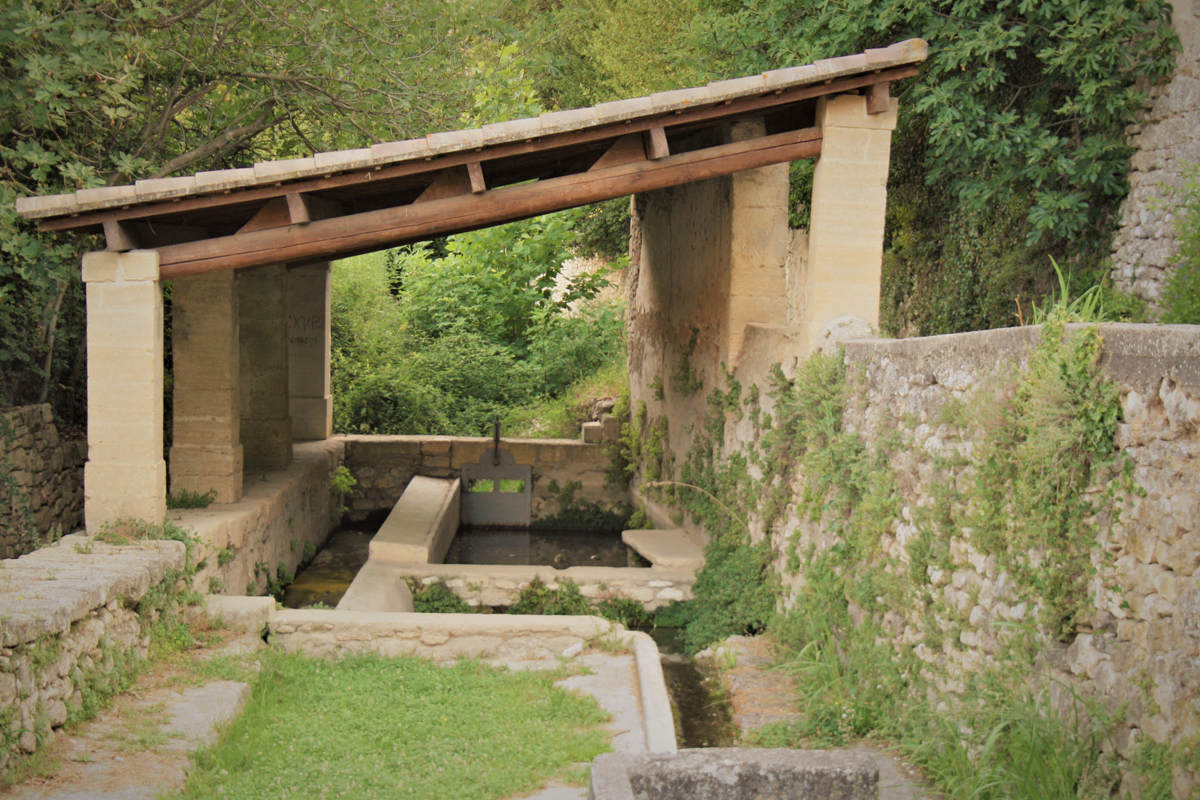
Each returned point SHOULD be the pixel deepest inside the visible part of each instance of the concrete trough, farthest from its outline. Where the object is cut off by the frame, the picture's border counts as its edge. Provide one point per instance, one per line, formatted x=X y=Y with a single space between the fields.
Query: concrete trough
x=736 y=774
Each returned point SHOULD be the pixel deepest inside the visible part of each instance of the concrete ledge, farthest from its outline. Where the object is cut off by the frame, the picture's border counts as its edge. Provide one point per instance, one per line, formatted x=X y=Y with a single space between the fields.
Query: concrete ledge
x=47 y=590
x=249 y=614
x=439 y=637
x=652 y=688
x=422 y=523
x=674 y=549
x=736 y=774
x=376 y=587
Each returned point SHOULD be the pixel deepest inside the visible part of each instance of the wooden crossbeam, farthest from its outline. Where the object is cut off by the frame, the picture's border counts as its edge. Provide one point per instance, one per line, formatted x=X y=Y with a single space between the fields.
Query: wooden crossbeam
x=333 y=238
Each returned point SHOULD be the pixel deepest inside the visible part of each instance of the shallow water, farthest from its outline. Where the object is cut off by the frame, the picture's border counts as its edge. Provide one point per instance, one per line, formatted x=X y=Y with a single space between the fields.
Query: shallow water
x=330 y=573
x=539 y=547
x=702 y=717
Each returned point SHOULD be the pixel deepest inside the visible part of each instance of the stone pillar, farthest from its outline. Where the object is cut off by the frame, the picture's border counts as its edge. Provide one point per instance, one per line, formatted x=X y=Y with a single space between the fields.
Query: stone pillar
x=849 y=201
x=308 y=352
x=758 y=246
x=262 y=316
x=125 y=476
x=206 y=451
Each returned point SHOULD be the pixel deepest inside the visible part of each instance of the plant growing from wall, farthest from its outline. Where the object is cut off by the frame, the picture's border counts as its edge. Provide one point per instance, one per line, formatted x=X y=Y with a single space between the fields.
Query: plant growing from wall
x=341 y=483
x=1181 y=296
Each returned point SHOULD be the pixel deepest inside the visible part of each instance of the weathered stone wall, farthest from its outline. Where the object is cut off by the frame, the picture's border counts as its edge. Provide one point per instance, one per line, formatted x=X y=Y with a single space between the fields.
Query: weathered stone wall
x=283 y=517
x=70 y=627
x=1138 y=650
x=41 y=480
x=1167 y=139
x=438 y=637
x=491 y=585
x=383 y=466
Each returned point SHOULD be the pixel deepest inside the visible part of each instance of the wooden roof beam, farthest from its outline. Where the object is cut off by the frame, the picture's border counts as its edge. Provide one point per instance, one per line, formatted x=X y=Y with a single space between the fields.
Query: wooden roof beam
x=333 y=238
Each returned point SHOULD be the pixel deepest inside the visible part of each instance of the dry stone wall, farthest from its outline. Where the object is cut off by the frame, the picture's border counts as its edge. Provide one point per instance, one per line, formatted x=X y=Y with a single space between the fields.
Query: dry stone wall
x=41 y=480
x=1167 y=139
x=71 y=632
x=1135 y=650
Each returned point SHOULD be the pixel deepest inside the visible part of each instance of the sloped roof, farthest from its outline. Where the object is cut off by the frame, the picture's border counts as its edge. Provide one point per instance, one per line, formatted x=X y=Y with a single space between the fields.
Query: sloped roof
x=352 y=184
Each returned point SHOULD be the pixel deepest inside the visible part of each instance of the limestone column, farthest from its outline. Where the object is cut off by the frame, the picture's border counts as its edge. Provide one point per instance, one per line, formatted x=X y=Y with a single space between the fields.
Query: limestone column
x=758 y=245
x=262 y=315
x=206 y=451
x=125 y=476
x=849 y=202
x=308 y=352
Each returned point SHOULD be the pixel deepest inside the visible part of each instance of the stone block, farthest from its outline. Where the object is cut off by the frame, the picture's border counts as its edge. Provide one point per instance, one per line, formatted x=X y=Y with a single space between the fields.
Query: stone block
x=179 y=185
x=115 y=491
x=592 y=432
x=133 y=266
x=850 y=111
x=735 y=774
x=211 y=179
x=343 y=159
x=249 y=614
x=611 y=426
x=105 y=195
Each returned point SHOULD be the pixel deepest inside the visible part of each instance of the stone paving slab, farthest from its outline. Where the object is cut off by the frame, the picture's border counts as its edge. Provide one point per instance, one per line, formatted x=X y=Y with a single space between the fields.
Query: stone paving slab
x=674 y=549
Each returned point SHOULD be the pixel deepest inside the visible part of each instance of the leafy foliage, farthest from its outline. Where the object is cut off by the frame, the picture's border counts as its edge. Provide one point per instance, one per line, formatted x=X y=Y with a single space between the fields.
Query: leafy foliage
x=1181 y=297
x=1010 y=143
x=97 y=92
x=446 y=345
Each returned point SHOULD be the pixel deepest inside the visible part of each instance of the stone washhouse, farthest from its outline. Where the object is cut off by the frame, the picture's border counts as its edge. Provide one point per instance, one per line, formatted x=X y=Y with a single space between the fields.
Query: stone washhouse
x=248 y=253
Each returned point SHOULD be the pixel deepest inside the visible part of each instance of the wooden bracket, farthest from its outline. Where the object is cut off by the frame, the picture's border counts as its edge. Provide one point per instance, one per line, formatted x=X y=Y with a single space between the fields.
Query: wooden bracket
x=475 y=171
x=625 y=150
x=449 y=182
x=119 y=236
x=275 y=213
x=878 y=98
x=656 y=143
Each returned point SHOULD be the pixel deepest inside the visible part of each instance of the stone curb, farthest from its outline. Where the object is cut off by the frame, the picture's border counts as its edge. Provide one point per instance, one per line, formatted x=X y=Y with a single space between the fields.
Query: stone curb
x=734 y=774
x=656 y=703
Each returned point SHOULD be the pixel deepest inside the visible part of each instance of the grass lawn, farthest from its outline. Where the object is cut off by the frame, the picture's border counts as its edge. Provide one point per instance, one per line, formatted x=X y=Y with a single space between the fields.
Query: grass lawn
x=367 y=727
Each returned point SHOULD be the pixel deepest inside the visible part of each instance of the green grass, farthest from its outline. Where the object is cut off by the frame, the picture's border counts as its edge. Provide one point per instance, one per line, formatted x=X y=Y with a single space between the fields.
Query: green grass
x=367 y=727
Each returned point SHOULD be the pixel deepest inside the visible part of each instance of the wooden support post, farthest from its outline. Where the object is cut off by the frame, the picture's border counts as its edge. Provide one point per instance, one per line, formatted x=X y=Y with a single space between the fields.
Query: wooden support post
x=656 y=143
x=478 y=185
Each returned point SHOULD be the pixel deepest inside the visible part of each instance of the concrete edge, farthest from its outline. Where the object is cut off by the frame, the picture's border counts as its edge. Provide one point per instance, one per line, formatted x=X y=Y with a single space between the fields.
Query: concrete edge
x=656 y=703
x=377 y=587
x=421 y=523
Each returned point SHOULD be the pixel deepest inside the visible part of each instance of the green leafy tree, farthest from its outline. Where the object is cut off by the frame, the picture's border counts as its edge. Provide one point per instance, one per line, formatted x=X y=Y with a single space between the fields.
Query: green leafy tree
x=1010 y=144
x=102 y=92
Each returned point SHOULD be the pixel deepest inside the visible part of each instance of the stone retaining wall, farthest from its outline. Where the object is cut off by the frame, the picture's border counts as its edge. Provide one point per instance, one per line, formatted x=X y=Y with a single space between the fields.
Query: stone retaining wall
x=439 y=637
x=1167 y=139
x=383 y=466
x=283 y=517
x=41 y=480
x=501 y=585
x=1137 y=652
x=71 y=629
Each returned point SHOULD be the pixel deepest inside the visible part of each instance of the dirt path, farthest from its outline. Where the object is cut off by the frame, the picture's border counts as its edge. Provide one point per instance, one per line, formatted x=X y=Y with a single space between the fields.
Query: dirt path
x=759 y=695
